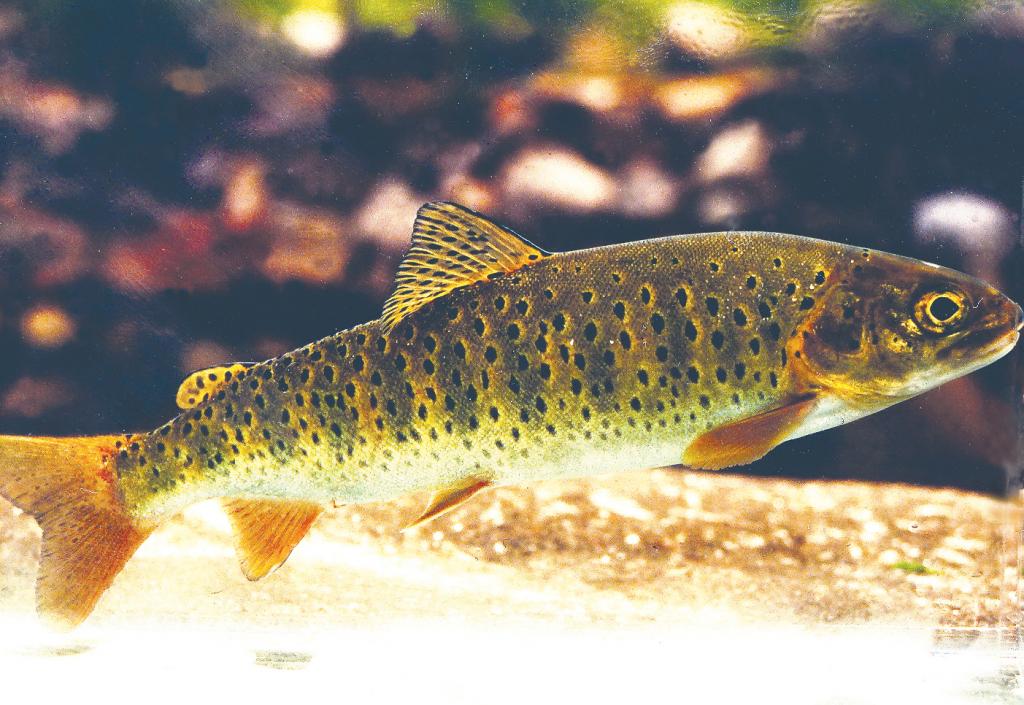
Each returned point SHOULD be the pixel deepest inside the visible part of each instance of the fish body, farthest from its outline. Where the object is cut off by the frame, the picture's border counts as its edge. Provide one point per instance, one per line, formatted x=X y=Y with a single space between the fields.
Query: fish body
x=587 y=362
x=498 y=363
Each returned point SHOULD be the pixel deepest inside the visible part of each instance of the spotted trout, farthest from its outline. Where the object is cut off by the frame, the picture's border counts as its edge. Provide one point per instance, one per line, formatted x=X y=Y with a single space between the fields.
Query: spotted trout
x=495 y=362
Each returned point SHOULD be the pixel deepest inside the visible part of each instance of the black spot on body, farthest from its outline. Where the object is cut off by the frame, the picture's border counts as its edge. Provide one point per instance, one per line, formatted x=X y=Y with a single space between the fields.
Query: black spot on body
x=690 y=330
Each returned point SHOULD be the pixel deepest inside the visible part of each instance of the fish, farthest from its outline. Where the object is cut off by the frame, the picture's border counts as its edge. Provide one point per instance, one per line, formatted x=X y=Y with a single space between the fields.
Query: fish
x=496 y=362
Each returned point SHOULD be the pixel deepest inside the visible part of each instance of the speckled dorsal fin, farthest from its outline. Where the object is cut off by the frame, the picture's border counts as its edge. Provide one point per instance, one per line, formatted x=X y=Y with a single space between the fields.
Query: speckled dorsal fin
x=447 y=499
x=453 y=247
x=266 y=531
x=201 y=384
x=747 y=440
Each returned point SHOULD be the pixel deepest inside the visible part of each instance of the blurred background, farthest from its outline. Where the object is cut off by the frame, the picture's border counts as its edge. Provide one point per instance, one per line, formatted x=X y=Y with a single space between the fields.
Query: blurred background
x=185 y=183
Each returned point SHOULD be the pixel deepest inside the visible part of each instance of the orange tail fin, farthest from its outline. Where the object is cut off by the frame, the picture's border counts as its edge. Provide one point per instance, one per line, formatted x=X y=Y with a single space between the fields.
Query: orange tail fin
x=68 y=485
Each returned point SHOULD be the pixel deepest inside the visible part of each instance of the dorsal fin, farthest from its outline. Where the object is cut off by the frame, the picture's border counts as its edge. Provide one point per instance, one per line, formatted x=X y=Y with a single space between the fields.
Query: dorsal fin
x=453 y=247
x=202 y=384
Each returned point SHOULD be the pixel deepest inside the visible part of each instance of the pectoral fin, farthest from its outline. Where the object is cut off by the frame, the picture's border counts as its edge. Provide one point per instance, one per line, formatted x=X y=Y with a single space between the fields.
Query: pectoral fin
x=266 y=531
x=447 y=499
x=745 y=441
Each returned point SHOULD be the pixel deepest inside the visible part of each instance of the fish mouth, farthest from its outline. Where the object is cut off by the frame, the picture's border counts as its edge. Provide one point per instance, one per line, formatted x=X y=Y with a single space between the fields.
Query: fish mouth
x=989 y=340
x=1005 y=342
x=978 y=349
x=995 y=338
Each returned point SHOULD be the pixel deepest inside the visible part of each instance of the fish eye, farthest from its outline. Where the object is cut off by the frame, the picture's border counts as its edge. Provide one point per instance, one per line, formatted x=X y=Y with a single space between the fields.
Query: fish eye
x=940 y=310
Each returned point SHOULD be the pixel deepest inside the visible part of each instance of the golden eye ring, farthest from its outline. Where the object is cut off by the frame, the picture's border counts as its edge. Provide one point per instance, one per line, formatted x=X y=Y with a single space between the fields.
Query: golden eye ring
x=938 y=311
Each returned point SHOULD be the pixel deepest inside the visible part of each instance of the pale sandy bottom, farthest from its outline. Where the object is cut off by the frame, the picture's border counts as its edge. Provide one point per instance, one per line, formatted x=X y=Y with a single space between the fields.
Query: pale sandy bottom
x=655 y=585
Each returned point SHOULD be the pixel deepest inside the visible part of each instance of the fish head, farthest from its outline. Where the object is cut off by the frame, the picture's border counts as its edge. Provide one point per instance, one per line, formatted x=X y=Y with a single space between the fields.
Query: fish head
x=886 y=328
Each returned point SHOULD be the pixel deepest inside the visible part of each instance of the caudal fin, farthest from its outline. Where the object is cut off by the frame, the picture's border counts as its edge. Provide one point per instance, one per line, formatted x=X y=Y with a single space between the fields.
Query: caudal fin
x=68 y=485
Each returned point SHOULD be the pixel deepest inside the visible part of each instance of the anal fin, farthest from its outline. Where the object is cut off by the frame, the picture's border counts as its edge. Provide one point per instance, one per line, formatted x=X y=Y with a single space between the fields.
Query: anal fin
x=266 y=531
x=742 y=442
x=447 y=499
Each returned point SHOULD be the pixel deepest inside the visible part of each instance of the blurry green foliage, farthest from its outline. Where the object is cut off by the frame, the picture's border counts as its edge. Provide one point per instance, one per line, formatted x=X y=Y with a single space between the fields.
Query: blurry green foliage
x=914 y=567
x=277 y=9
x=631 y=20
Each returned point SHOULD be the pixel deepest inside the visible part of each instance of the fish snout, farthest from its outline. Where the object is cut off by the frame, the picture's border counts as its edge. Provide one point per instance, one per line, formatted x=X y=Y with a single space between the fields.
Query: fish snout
x=1001 y=321
x=1005 y=314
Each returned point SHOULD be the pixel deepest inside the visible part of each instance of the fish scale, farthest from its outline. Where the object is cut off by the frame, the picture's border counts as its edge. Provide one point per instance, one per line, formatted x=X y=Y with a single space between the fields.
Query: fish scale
x=495 y=362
